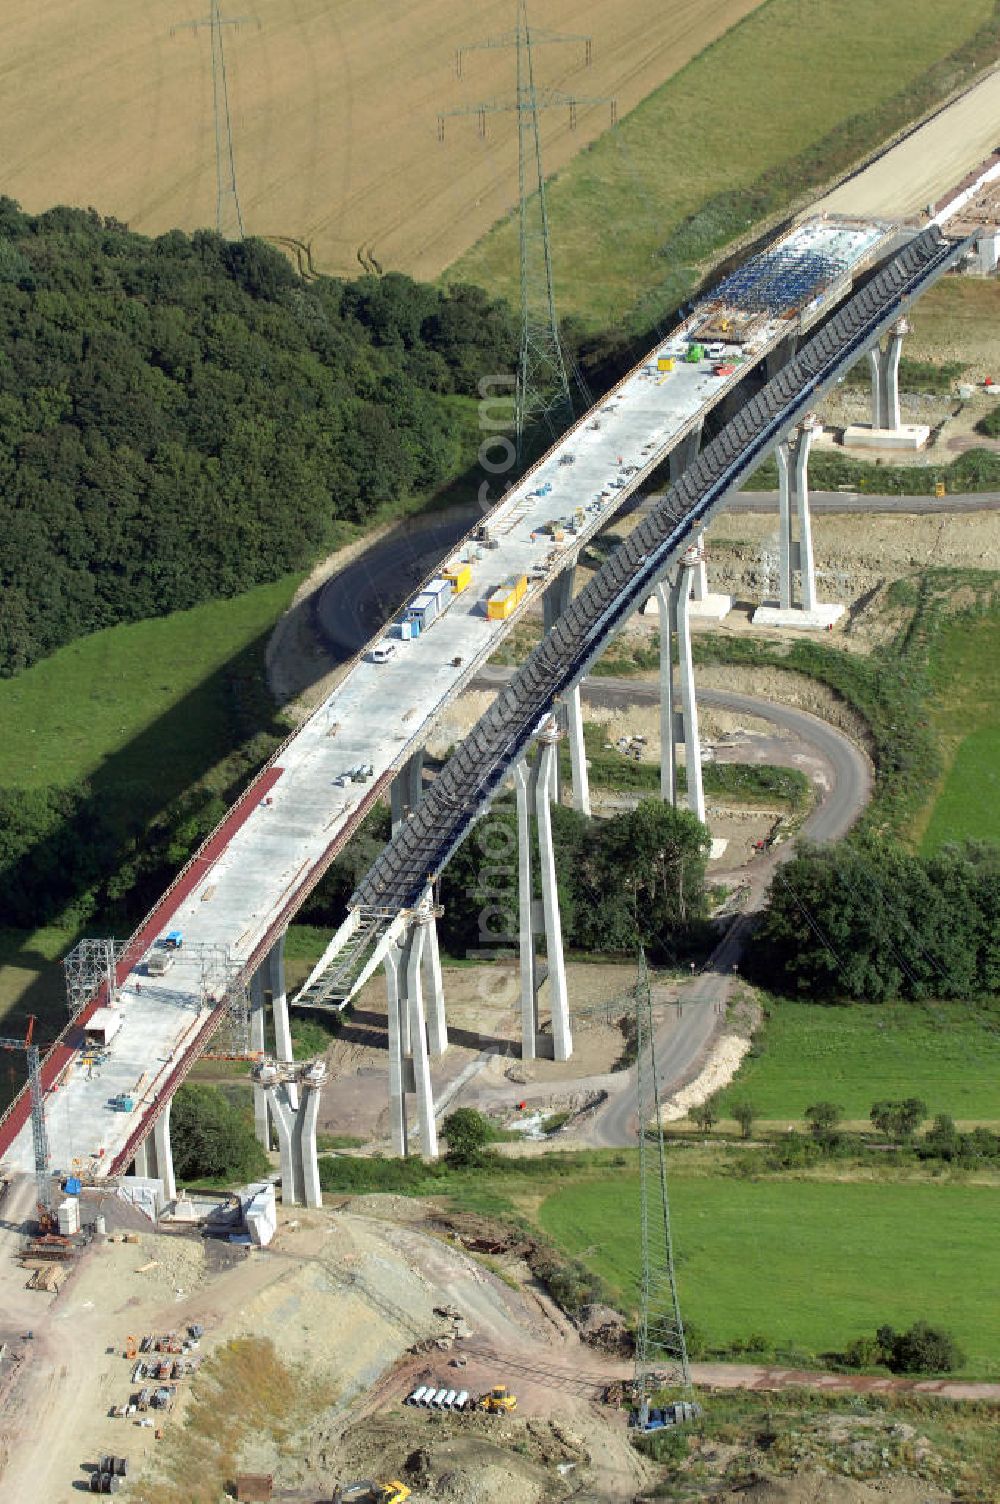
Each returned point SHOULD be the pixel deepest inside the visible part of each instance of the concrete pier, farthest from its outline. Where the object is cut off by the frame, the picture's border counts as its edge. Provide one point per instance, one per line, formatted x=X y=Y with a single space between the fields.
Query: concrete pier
x=296 y=1126
x=261 y=1121
x=411 y=1043
x=555 y=600
x=533 y=789
x=884 y=361
x=795 y=555
x=679 y=722
x=406 y=788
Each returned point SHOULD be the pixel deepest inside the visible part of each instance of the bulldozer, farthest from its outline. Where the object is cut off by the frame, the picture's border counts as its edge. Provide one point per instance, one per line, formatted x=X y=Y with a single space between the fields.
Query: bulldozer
x=367 y=1491
x=498 y=1401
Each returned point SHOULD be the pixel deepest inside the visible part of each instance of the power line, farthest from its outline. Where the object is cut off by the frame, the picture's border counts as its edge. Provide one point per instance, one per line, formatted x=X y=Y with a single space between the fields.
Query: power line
x=228 y=213
x=543 y=384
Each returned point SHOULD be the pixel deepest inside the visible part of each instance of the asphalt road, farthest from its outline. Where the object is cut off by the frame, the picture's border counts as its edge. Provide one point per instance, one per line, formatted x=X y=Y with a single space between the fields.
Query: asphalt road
x=353 y=605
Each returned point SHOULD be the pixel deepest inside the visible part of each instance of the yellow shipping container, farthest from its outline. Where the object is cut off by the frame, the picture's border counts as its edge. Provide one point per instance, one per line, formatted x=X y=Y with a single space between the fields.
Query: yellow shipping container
x=519 y=584
x=665 y=363
x=500 y=604
x=460 y=576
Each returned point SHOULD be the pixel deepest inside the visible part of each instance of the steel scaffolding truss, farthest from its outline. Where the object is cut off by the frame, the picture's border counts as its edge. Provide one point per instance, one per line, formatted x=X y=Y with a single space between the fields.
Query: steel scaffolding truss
x=778 y=281
x=89 y=964
x=219 y=981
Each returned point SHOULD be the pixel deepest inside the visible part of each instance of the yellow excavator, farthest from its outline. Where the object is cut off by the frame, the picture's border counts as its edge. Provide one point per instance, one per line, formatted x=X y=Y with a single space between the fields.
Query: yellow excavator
x=498 y=1401
x=367 y=1491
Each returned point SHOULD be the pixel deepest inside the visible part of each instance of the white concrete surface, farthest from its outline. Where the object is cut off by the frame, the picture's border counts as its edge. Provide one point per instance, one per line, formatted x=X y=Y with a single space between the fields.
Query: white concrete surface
x=906 y=436
x=818 y=619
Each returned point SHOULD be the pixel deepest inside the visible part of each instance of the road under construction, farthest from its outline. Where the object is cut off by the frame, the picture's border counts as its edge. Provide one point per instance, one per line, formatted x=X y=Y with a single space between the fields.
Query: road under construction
x=230 y=906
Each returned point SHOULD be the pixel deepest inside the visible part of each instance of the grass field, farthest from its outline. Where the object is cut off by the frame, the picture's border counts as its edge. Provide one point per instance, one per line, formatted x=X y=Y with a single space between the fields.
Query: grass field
x=948 y=1054
x=141 y=713
x=818 y=65
x=91 y=701
x=334 y=112
x=965 y=710
x=806 y=1264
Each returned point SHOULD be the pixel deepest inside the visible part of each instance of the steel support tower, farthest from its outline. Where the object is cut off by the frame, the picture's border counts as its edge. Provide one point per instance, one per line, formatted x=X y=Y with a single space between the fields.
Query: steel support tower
x=228 y=214
x=543 y=388
x=660 y=1350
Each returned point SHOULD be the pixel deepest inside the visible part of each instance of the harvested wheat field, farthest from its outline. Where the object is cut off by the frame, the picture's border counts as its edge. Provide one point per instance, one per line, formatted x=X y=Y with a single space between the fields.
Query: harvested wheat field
x=334 y=107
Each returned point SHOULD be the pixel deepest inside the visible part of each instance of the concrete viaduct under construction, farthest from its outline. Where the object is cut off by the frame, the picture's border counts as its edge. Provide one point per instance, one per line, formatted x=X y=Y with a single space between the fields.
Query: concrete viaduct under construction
x=789 y=323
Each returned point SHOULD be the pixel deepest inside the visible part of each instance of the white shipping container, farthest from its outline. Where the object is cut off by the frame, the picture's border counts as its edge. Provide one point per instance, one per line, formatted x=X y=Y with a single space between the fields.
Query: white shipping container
x=69 y=1216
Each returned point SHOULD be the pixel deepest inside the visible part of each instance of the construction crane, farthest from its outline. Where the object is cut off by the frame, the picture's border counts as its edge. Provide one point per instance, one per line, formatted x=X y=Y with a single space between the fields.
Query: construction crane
x=40 y=1138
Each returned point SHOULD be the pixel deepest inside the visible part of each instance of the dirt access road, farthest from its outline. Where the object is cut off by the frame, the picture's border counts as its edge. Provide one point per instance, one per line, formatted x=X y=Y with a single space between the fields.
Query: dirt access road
x=926 y=163
x=334 y=112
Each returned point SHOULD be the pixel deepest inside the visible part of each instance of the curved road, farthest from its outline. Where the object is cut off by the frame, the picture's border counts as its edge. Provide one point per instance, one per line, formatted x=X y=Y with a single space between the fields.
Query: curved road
x=684 y=1040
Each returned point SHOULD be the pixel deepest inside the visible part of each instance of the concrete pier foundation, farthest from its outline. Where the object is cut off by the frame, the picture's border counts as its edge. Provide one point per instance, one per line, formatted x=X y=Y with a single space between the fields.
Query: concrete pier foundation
x=795 y=555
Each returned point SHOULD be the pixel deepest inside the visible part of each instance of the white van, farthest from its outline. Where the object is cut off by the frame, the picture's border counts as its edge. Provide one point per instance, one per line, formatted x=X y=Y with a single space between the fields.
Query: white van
x=382 y=652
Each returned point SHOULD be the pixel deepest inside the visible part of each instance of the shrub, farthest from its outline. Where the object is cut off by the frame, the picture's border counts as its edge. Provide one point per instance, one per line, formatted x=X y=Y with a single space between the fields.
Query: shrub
x=212 y=1139
x=920 y=1349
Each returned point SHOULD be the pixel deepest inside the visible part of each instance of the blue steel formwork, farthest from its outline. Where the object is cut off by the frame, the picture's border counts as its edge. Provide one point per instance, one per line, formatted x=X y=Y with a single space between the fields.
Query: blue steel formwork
x=778 y=282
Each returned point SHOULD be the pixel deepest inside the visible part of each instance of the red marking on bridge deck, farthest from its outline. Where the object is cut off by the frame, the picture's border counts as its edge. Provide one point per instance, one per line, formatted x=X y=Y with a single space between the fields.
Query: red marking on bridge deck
x=62 y=1052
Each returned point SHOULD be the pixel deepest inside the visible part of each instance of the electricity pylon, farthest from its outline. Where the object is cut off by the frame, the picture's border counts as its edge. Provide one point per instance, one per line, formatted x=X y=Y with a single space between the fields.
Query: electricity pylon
x=660 y=1349
x=543 y=388
x=228 y=214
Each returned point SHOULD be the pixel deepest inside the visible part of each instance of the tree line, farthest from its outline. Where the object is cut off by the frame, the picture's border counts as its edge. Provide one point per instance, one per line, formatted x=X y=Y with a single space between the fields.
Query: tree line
x=872 y=921
x=184 y=417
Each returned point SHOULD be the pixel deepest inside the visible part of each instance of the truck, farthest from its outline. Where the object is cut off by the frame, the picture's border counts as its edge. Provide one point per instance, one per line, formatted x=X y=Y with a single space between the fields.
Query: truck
x=159 y=961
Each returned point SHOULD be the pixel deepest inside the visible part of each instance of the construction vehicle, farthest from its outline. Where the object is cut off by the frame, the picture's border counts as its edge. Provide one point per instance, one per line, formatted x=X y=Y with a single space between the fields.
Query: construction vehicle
x=498 y=1401
x=367 y=1491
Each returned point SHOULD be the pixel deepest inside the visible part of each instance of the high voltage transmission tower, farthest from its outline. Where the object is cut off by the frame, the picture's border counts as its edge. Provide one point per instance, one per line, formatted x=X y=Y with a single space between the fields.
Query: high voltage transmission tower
x=660 y=1349
x=228 y=214
x=543 y=388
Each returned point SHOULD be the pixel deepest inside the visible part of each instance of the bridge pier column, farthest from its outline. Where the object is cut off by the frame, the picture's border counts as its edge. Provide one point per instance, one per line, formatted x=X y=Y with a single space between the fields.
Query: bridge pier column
x=437 y=1023
x=163 y=1157
x=780 y=355
x=406 y=788
x=884 y=363
x=262 y=1126
x=533 y=786
x=141 y=1165
x=409 y=1046
x=705 y=603
x=796 y=555
x=674 y=602
x=279 y=1010
x=555 y=600
x=296 y=1128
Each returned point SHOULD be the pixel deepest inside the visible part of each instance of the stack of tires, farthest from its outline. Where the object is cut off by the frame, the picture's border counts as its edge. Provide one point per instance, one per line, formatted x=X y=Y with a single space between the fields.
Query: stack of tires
x=107 y=1478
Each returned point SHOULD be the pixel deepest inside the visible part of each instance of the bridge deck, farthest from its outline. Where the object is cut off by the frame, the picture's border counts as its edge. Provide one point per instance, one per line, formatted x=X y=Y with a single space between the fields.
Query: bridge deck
x=245 y=883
